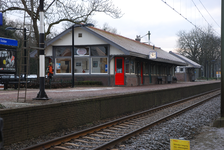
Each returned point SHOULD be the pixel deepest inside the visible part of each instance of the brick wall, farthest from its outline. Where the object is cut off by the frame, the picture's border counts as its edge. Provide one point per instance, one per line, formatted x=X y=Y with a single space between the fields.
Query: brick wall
x=131 y=80
x=180 y=76
x=25 y=123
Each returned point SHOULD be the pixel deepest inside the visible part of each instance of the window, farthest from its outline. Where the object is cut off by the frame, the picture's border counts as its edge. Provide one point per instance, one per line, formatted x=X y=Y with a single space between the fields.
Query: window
x=85 y=57
x=80 y=35
x=63 y=65
x=62 y=51
x=119 y=66
x=63 y=59
x=81 y=65
x=99 y=65
x=98 y=51
x=181 y=69
x=127 y=66
x=132 y=66
x=146 y=70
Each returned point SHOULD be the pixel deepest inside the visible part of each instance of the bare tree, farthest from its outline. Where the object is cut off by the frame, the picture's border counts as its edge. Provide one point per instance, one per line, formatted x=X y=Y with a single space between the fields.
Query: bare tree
x=59 y=11
x=201 y=46
x=106 y=27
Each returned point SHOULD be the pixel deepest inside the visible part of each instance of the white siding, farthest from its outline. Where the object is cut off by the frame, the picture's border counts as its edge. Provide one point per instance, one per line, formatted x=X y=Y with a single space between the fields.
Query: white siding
x=86 y=39
x=115 y=51
x=112 y=66
x=48 y=51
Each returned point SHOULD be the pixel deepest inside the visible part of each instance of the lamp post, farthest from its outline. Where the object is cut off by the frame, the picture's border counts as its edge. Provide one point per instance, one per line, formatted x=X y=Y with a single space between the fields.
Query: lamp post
x=24 y=45
x=73 y=46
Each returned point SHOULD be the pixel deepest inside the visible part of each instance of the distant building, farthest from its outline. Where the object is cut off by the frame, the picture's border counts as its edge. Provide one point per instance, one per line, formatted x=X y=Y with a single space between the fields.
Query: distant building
x=186 y=73
x=110 y=58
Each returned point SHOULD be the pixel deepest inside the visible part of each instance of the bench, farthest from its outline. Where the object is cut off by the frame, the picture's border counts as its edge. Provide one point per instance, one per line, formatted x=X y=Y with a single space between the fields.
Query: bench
x=175 y=79
x=160 y=80
x=11 y=79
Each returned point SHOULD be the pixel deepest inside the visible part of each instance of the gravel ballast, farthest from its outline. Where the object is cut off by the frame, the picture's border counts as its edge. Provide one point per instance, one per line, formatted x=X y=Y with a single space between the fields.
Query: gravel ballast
x=185 y=126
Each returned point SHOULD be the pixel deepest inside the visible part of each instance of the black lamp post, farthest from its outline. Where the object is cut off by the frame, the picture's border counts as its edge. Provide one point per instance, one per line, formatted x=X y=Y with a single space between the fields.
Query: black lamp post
x=24 y=36
x=73 y=46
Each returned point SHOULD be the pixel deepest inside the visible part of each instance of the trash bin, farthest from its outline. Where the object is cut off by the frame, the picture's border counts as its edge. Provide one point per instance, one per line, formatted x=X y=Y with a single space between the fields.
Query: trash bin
x=168 y=78
x=193 y=78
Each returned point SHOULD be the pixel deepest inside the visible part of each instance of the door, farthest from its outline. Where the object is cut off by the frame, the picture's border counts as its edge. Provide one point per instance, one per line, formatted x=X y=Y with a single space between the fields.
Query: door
x=119 y=71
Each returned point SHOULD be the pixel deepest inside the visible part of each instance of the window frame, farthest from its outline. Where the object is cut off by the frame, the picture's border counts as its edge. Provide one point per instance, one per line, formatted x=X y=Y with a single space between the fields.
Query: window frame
x=89 y=57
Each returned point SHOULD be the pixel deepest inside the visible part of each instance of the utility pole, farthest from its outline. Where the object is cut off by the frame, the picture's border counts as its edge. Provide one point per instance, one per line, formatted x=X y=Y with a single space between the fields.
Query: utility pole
x=25 y=71
x=41 y=95
x=222 y=60
x=73 y=59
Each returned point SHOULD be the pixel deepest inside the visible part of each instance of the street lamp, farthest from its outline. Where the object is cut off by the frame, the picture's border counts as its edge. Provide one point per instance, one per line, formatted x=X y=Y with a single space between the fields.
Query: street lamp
x=24 y=36
x=73 y=46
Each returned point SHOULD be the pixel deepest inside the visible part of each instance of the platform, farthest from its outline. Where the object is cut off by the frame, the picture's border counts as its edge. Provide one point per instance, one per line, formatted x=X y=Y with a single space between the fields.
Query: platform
x=69 y=107
x=8 y=98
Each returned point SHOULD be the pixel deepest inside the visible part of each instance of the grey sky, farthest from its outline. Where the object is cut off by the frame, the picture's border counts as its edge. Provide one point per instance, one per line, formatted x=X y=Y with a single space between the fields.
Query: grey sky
x=155 y=16
x=141 y=16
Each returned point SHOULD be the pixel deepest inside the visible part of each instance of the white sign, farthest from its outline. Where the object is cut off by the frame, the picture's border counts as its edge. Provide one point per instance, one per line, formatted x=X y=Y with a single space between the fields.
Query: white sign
x=81 y=51
x=152 y=55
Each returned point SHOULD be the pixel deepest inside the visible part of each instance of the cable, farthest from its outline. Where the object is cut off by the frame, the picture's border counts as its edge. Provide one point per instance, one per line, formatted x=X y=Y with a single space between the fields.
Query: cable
x=199 y=11
x=181 y=15
x=185 y=17
x=210 y=14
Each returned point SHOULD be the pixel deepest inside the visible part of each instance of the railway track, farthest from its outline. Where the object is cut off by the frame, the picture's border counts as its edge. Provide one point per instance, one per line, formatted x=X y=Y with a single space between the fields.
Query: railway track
x=109 y=134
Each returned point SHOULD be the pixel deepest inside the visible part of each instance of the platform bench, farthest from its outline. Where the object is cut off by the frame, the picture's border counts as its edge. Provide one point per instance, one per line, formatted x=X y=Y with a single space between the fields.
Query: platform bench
x=160 y=80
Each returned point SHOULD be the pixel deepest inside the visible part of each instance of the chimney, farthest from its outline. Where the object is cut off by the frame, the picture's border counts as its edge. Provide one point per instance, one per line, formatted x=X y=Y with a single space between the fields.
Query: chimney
x=138 y=38
x=149 y=37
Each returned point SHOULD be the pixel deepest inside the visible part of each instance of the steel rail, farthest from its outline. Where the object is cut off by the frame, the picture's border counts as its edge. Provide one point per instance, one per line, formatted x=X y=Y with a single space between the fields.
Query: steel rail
x=69 y=137
x=129 y=135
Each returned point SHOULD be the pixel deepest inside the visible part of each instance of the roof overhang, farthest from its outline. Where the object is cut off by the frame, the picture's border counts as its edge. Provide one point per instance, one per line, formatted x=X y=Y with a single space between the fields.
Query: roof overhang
x=192 y=65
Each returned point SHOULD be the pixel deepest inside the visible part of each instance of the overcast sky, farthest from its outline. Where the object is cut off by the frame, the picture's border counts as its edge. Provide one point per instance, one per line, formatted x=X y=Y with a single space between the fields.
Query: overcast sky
x=141 y=16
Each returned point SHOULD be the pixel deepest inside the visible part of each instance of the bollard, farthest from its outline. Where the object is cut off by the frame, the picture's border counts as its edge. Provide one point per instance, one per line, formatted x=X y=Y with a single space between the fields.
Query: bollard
x=1 y=134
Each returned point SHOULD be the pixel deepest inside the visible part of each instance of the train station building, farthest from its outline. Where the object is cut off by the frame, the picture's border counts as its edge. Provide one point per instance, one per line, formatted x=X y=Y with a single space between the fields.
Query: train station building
x=190 y=72
x=109 y=58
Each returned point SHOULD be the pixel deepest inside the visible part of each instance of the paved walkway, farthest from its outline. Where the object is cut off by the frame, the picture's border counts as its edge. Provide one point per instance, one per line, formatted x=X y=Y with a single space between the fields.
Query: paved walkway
x=8 y=97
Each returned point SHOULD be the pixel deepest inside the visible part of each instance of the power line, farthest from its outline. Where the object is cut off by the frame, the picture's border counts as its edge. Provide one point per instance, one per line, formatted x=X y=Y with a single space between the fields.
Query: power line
x=185 y=17
x=181 y=15
x=199 y=11
x=210 y=14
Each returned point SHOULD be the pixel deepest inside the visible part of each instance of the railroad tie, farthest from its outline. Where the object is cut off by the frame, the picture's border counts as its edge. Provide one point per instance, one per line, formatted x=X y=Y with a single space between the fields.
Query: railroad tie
x=97 y=135
x=110 y=134
x=87 y=141
x=72 y=144
x=61 y=148
x=109 y=130
x=116 y=128
x=96 y=139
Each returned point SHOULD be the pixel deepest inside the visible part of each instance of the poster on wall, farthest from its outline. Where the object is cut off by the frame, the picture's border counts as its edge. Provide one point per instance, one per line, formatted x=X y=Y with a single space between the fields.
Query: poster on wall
x=7 y=61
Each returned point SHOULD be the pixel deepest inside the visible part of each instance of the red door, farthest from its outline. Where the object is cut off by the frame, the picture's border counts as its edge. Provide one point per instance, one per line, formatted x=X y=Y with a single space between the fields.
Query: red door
x=119 y=71
x=141 y=72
